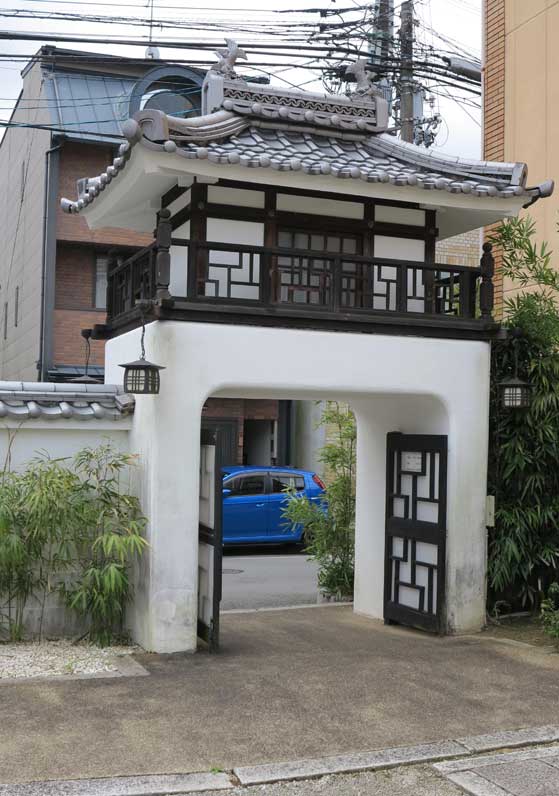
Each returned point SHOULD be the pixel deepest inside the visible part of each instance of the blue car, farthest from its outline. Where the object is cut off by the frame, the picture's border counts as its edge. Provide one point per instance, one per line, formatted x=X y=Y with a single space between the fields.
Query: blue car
x=253 y=500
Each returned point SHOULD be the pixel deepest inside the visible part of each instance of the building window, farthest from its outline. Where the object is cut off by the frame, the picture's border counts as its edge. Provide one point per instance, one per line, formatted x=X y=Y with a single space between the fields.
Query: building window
x=101 y=263
x=16 y=307
x=5 y=320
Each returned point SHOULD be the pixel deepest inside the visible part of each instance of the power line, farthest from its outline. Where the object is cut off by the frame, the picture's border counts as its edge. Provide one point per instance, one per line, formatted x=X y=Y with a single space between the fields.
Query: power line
x=54 y=129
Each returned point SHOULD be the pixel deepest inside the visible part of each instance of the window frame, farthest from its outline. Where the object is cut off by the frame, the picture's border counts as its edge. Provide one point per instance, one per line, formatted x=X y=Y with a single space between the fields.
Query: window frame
x=100 y=255
x=286 y=474
x=242 y=475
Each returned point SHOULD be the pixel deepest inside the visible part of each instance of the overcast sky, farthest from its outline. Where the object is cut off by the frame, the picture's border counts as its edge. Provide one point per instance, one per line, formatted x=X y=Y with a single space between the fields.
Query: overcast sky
x=457 y=20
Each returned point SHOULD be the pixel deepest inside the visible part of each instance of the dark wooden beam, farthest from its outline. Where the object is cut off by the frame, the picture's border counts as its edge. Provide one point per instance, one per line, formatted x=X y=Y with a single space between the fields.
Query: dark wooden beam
x=310 y=221
x=172 y=194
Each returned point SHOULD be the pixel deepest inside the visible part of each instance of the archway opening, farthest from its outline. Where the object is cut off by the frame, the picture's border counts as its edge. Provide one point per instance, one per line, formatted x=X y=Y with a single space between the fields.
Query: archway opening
x=270 y=564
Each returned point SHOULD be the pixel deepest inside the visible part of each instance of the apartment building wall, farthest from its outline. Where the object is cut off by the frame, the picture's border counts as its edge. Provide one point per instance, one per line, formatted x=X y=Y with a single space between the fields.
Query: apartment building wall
x=78 y=253
x=22 y=177
x=521 y=100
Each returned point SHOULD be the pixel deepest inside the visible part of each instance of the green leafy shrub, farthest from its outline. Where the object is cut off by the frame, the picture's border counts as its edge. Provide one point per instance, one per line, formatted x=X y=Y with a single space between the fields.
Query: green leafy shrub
x=39 y=510
x=549 y=613
x=108 y=538
x=330 y=527
x=68 y=527
x=524 y=445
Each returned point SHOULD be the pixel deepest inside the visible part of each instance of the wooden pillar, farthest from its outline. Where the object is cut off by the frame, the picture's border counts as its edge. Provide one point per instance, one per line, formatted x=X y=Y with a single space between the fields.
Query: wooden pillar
x=198 y=257
x=269 y=276
x=429 y=281
x=163 y=256
x=487 y=289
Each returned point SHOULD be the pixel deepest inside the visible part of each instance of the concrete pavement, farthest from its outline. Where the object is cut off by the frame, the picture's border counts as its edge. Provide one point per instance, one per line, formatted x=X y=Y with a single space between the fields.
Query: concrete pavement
x=530 y=772
x=268 y=579
x=288 y=685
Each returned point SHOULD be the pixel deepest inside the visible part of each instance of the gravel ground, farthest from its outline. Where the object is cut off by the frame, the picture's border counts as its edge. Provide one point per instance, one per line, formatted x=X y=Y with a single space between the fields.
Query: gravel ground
x=404 y=781
x=51 y=658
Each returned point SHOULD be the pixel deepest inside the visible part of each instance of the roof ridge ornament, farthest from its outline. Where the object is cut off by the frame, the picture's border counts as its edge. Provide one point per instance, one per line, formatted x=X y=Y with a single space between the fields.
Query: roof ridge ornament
x=228 y=58
x=364 y=79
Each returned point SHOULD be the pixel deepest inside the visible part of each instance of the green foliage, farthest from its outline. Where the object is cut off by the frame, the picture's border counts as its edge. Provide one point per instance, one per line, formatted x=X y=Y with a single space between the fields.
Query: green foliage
x=38 y=510
x=549 y=613
x=524 y=444
x=108 y=538
x=68 y=527
x=330 y=526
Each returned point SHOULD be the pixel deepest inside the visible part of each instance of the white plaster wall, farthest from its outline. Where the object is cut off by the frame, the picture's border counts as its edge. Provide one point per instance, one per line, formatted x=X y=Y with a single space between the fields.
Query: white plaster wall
x=393 y=383
x=319 y=207
x=400 y=215
x=248 y=233
x=179 y=262
x=60 y=439
x=399 y=248
x=217 y=194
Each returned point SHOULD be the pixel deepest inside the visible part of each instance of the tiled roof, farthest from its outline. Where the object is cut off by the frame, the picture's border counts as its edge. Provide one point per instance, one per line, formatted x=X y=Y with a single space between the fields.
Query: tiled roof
x=290 y=132
x=48 y=401
x=380 y=158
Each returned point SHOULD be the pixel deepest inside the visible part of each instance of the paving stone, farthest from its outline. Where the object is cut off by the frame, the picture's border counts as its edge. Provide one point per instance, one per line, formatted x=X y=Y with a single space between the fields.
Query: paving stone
x=162 y=785
x=528 y=778
x=384 y=758
x=480 y=761
x=476 y=785
x=500 y=740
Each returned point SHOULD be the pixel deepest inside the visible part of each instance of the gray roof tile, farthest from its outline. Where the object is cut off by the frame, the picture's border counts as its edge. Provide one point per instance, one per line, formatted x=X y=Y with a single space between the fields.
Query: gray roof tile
x=50 y=401
x=297 y=141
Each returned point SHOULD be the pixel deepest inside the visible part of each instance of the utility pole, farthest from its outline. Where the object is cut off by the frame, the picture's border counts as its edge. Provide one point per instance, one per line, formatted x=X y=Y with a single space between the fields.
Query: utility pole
x=406 y=72
x=381 y=39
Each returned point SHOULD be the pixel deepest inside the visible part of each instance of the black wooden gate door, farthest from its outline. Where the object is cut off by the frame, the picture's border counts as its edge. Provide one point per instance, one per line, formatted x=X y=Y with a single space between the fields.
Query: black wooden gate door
x=415 y=549
x=210 y=538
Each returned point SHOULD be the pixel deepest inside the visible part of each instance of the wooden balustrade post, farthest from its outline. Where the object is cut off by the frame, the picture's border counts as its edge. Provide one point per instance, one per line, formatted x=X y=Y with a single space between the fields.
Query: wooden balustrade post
x=402 y=288
x=487 y=289
x=467 y=294
x=335 y=286
x=163 y=256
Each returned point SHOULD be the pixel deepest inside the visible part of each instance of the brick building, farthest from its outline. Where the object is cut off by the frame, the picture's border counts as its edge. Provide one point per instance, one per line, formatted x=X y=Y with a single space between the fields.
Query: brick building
x=520 y=109
x=54 y=273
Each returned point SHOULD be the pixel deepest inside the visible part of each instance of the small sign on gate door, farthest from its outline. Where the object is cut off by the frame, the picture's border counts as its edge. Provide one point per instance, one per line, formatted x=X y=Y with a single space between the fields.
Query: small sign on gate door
x=412 y=462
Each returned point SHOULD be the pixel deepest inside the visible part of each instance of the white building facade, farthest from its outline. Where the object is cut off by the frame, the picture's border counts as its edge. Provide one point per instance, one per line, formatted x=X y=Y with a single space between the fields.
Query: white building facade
x=295 y=259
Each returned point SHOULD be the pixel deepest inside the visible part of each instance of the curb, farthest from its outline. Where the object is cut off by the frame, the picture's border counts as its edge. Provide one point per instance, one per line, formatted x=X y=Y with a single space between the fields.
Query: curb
x=452 y=758
x=160 y=785
x=125 y=666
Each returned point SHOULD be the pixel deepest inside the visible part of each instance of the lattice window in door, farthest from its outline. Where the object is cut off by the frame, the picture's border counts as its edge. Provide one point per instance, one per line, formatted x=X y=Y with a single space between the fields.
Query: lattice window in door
x=415 y=529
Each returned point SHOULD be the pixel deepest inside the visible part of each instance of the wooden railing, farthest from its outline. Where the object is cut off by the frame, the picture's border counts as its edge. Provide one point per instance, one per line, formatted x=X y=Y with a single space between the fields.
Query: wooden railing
x=308 y=283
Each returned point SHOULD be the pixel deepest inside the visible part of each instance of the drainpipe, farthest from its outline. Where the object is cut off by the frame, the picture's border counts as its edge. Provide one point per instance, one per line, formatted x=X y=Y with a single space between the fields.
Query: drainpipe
x=544 y=190
x=48 y=261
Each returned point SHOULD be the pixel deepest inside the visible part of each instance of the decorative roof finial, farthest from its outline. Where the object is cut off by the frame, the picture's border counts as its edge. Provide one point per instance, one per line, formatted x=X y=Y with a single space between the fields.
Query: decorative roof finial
x=363 y=78
x=228 y=59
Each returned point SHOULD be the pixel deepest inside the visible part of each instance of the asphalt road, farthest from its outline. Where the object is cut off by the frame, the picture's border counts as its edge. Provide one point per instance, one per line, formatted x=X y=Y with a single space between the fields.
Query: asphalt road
x=267 y=578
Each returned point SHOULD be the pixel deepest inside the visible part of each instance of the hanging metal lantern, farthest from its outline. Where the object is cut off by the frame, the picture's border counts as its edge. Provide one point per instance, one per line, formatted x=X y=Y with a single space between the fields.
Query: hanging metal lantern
x=142 y=377
x=515 y=393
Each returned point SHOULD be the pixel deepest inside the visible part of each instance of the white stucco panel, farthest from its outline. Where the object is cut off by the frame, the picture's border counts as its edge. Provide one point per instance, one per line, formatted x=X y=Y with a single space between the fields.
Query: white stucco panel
x=408 y=384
